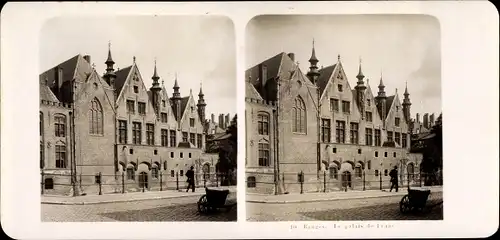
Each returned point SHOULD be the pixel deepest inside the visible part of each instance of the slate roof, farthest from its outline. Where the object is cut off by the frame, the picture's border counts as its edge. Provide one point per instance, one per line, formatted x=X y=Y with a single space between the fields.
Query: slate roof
x=47 y=94
x=324 y=76
x=280 y=65
x=184 y=102
x=121 y=77
x=74 y=68
x=251 y=92
x=388 y=104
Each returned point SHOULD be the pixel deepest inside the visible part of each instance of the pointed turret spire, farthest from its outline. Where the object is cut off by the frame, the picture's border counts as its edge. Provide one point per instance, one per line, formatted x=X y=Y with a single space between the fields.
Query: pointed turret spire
x=406 y=104
x=176 y=85
x=381 y=87
x=109 y=75
x=201 y=91
x=176 y=94
x=313 y=73
x=201 y=105
x=155 y=77
x=109 y=61
x=313 y=58
x=360 y=72
x=406 y=90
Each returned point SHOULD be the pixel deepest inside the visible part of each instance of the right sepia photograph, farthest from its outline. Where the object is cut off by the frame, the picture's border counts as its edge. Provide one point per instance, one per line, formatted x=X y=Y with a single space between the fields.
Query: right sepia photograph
x=343 y=118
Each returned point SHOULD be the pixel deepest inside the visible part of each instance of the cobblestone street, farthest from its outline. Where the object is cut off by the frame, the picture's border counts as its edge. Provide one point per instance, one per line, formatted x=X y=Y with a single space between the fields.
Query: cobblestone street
x=175 y=209
x=384 y=208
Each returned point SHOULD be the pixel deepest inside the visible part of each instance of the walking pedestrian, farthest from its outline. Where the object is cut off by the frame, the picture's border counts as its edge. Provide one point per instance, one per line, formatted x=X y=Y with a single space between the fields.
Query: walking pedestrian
x=190 y=179
x=394 y=178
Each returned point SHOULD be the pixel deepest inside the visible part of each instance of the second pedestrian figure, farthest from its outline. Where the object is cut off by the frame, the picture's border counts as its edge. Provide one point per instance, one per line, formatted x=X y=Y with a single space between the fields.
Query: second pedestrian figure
x=394 y=178
x=190 y=179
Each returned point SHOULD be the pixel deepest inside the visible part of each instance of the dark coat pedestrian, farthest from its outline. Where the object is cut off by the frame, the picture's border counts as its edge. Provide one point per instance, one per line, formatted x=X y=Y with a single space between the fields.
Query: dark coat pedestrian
x=394 y=178
x=190 y=179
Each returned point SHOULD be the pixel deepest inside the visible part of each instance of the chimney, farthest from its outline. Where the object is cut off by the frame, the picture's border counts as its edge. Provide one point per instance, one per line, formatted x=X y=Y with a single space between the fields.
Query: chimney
x=418 y=117
x=431 y=120
x=263 y=75
x=212 y=117
x=221 y=120
x=227 y=120
x=87 y=58
x=426 y=120
x=59 y=76
x=292 y=56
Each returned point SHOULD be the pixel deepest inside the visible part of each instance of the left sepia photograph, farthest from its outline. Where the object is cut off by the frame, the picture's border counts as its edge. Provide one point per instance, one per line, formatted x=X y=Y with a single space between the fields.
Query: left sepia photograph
x=138 y=119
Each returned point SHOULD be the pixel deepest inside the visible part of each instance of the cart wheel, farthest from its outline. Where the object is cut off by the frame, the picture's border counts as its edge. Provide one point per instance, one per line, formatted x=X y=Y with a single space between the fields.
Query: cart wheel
x=202 y=204
x=404 y=205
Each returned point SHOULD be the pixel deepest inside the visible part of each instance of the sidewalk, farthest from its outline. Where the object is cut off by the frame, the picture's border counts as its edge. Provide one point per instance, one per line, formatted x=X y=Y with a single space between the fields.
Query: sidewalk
x=329 y=196
x=124 y=197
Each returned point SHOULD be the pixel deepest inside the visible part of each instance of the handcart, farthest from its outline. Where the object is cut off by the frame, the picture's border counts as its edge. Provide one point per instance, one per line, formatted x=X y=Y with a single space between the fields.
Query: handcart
x=416 y=200
x=214 y=199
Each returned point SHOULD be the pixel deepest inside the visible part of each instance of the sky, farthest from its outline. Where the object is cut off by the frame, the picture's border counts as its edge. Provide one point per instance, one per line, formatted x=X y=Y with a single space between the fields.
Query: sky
x=404 y=49
x=200 y=49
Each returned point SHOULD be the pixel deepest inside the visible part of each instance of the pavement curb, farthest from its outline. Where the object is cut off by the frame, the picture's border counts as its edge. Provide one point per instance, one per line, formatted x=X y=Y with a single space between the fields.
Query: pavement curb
x=118 y=200
x=327 y=199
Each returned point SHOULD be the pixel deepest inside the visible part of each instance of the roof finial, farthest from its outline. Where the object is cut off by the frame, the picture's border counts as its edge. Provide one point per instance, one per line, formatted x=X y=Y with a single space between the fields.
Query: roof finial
x=133 y=59
x=313 y=42
x=93 y=65
x=338 y=57
x=162 y=82
x=109 y=45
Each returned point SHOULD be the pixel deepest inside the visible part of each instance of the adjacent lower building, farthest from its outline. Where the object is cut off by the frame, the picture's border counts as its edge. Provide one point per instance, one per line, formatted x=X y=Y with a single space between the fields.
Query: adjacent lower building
x=315 y=129
x=112 y=129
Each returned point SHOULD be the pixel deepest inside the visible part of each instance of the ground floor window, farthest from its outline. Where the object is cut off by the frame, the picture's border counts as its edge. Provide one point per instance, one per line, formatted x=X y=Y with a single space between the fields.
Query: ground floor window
x=49 y=183
x=154 y=172
x=333 y=172
x=130 y=173
x=357 y=172
x=251 y=182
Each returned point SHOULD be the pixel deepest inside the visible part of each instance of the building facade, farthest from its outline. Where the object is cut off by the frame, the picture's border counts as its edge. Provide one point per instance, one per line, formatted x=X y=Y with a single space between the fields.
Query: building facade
x=315 y=128
x=113 y=129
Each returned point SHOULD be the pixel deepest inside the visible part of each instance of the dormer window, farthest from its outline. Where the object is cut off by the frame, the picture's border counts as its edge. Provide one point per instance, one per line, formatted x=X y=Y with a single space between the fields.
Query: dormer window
x=192 y=109
x=339 y=87
x=136 y=89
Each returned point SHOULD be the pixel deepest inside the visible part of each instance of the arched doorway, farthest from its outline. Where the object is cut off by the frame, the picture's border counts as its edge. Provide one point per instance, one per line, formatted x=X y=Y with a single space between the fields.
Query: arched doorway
x=143 y=180
x=346 y=179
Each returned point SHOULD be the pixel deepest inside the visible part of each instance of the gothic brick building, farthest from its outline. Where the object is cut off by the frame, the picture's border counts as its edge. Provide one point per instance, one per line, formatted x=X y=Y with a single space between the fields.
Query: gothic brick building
x=349 y=132
x=109 y=124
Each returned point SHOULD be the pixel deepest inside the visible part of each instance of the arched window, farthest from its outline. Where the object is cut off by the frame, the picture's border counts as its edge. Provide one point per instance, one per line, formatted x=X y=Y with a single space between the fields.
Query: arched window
x=60 y=125
x=263 y=123
x=333 y=172
x=251 y=182
x=41 y=155
x=154 y=171
x=357 y=171
x=299 y=116
x=60 y=155
x=41 y=124
x=95 y=118
x=411 y=170
x=130 y=173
